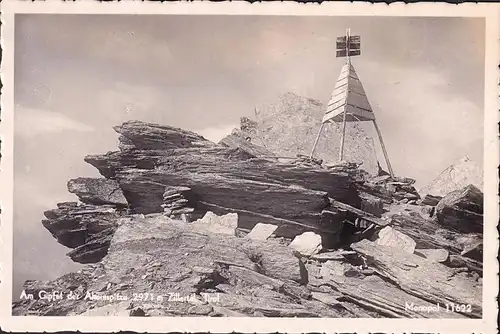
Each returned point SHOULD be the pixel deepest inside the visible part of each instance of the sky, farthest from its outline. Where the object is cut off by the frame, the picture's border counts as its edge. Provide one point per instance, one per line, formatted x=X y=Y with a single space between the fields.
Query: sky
x=77 y=76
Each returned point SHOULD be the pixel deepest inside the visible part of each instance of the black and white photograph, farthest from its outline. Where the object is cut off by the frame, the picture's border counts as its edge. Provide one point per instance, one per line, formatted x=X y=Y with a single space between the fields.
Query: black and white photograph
x=268 y=166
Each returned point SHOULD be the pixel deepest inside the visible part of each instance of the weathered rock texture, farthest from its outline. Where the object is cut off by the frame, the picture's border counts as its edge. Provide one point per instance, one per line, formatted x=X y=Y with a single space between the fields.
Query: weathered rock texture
x=169 y=217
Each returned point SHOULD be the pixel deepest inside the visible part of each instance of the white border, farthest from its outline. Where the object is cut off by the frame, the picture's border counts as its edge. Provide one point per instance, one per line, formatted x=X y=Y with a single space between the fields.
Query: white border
x=204 y=324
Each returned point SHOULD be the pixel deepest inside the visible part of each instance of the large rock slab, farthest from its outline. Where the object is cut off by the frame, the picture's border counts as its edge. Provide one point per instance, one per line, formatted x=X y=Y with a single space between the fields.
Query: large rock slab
x=145 y=187
x=97 y=191
x=427 y=233
x=427 y=280
x=462 y=210
x=388 y=300
x=148 y=136
x=372 y=204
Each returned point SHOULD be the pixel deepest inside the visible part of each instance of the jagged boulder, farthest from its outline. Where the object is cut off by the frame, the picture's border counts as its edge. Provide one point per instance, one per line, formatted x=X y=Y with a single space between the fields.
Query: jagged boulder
x=147 y=136
x=462 y=210
x=84 y=227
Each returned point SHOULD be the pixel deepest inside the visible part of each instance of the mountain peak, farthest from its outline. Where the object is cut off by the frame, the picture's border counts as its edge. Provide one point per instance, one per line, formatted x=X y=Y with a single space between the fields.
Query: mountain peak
x=463 y=172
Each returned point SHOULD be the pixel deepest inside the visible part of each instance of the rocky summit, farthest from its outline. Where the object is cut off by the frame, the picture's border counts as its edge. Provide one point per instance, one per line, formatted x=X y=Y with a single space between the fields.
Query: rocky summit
x=181 y=226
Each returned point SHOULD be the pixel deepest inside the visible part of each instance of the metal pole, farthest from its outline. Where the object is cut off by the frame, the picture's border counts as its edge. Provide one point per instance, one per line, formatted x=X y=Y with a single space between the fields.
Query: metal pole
x=317 y=139
x=341 y=152
x=383 y=149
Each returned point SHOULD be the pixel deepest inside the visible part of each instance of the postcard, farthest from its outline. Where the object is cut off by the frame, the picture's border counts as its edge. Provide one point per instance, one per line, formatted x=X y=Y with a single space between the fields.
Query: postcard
x=203 y=166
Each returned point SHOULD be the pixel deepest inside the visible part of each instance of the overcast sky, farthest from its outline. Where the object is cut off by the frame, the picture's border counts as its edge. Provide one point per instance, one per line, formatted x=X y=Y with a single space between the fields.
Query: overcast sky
x=77 y=76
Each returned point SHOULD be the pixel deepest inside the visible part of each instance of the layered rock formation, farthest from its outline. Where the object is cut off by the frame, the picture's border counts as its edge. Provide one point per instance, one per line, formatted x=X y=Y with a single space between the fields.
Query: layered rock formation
x=164 y=233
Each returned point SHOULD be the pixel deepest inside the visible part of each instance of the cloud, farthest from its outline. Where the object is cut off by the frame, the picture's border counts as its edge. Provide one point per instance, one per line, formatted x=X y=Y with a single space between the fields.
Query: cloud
x=426 y=123
x=30 y=122
x=215 y=134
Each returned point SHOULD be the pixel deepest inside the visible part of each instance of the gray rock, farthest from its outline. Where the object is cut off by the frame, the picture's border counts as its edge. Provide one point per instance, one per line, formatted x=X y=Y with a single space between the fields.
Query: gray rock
x=430 y=200
x=462 y=210
x=436 y=255
x=225 y=224
x=262 y=231
x=97 y=191
x=307 y=244
x=394 y=239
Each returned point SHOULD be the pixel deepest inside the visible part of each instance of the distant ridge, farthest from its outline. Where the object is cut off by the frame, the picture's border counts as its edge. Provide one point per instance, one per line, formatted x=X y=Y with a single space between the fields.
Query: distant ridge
x=464 y=172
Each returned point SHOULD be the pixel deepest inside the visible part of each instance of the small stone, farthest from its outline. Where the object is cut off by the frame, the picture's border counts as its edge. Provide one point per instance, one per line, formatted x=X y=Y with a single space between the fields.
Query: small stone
x=155 y=313
x=392 y=238
x=261 y=231
x=307 y=244
x=336 y=268
x=225 y=224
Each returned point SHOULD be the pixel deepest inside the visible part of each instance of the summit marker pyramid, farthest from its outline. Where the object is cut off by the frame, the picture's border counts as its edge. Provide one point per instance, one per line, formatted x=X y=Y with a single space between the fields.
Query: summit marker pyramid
x=348 y=96
x=348 y=102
